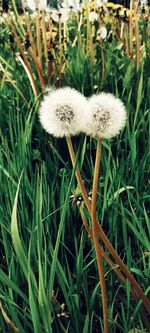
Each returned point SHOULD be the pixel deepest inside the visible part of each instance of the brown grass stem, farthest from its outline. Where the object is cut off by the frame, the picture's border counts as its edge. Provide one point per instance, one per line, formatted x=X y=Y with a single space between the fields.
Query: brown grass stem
x=137 y=42
x=60 y=53
x=39 y=69
x=38 y=36
x=44 y=35
x=32 y=49
x=28 y=27
x=131 y=29
x=27 y=64
x=103 y=65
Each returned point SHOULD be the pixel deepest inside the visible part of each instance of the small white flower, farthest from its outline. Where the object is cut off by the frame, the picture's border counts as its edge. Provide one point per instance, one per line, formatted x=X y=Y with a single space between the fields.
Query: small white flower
x=106 y=116
x=36 y=4
x=93 y=16
x=60 y=112
x=101 y=33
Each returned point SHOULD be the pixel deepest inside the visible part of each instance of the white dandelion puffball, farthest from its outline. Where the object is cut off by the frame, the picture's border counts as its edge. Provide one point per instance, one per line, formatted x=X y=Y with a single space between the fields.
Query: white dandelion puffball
x=101 y=3
x=36 y=4
x=72 y=5
x=93 y=16
x=101 y=33
x=60 y=112
x=106 y=116
x=60 y=16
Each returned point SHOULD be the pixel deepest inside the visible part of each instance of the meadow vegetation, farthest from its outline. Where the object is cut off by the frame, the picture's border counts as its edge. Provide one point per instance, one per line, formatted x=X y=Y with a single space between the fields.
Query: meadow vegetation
x=48 y=269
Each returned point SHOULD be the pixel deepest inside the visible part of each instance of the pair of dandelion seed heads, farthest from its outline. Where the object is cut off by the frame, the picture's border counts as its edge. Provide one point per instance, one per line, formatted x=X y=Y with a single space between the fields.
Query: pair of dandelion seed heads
x=66 y=112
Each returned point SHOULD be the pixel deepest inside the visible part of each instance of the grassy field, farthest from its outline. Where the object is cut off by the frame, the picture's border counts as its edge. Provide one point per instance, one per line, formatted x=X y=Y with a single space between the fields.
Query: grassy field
x=48 y=269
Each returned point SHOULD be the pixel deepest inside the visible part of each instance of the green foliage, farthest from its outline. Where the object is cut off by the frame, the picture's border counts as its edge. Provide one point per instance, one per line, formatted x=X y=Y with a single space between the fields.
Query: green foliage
x=48 y=270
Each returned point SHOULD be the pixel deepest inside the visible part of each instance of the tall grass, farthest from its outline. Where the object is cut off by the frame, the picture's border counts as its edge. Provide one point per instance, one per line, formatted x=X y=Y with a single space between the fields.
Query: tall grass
x=48 y=270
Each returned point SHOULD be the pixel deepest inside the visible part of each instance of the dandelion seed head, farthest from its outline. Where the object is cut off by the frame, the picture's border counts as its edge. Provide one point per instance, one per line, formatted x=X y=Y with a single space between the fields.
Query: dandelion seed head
x=60 y=112
x=61 y=15
x=71 y=5
x=101 y=3
x=36 y=4
x=101 y=33
x=106 y=116
x=93 y=16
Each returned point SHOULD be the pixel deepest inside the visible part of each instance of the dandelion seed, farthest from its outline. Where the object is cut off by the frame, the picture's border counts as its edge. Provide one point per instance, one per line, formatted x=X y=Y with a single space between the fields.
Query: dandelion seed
x=106 y=116
x=60 y=112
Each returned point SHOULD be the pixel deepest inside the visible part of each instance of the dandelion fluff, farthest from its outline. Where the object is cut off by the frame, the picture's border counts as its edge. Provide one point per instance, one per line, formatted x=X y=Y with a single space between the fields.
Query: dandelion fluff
x=93 y=16
x=60 y=112
x=36 y=4
x=101 y=33
x=106 y=116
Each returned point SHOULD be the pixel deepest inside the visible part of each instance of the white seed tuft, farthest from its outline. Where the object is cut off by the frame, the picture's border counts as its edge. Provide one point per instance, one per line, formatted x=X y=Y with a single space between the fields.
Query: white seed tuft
x=61 y=110
x=106 y=116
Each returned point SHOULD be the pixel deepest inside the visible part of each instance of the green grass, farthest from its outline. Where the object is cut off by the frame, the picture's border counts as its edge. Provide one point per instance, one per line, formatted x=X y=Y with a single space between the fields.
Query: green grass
x=44 y=247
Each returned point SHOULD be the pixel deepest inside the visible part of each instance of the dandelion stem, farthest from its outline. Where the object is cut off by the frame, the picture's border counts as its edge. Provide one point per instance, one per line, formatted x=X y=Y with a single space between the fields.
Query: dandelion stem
x=116 y=269
x=103 y=236
x=103 y=253
x=95 y=236
x=124 y=268
x=78 y=174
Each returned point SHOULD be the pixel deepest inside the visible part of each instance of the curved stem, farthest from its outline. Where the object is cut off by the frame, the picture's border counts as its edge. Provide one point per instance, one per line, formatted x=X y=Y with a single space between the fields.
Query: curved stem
x=103 y=236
